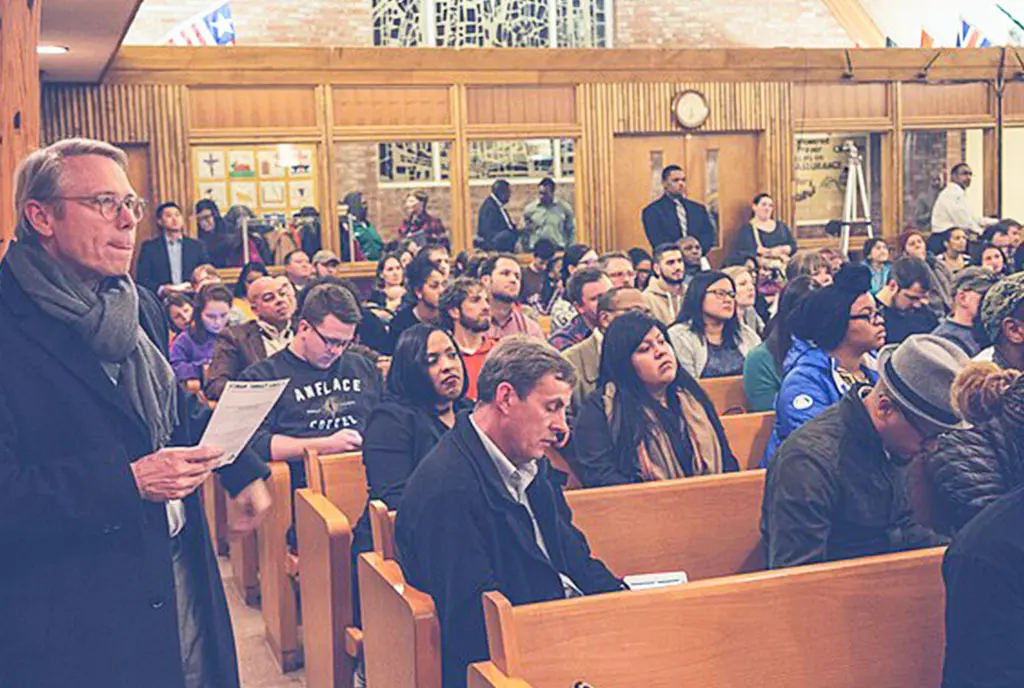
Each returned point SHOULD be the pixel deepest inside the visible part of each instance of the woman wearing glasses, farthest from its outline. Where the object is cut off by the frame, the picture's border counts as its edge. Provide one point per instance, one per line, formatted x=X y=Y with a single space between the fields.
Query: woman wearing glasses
x=648 y=419
x=708 y=337
x=836 y=332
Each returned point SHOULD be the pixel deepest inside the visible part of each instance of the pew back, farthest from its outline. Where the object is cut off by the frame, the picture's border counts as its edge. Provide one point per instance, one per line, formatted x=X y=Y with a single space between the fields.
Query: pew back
x=706 y=526
x=726 y=394
x=748 y=435
x=867 y=622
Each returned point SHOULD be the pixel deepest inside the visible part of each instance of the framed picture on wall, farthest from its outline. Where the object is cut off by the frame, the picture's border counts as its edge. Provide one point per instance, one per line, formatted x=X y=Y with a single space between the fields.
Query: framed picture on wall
x=300 y=194
x=268 y=178
x=301 y=166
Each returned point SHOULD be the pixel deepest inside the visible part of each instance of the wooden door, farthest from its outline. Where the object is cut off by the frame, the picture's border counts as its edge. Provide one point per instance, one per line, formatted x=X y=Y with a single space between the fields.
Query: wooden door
x=722 y=172
x=637 y=165
x=138 y=175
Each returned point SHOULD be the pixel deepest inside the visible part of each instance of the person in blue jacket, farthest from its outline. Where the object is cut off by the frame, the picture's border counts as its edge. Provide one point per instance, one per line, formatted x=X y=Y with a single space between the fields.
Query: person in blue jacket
x=836 y=332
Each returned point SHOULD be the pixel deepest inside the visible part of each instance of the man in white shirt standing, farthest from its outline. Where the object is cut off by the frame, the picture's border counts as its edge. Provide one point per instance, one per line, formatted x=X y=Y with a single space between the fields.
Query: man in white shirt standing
x=951 y=208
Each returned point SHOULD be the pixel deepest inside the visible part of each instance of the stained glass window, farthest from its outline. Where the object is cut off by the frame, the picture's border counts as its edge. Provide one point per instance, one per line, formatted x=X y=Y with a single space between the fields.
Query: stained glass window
x=492 y=23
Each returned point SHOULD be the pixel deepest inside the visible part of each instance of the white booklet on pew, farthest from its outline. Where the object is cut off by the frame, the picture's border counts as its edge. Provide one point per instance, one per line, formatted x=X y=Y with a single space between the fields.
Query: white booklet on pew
x=649 y=581
x=239 y=413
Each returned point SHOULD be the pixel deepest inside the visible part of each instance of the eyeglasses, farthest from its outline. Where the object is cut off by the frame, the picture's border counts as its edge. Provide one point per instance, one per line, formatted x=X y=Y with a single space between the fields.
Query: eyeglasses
x=874 y=317
x=338 y=345
x=724 y=294
x=110 y=206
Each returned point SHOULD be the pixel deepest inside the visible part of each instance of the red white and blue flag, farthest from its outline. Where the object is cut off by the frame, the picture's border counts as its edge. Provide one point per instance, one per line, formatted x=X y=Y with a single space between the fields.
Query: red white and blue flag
x=970 y=36
x=212 y=27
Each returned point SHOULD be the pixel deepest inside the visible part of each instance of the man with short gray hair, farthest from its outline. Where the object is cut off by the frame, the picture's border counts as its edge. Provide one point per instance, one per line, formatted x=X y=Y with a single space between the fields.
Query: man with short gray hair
x=481 y=512
x=114 y=581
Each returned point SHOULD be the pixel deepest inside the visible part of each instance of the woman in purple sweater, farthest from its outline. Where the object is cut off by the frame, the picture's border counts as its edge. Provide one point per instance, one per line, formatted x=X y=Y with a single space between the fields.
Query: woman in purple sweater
x=193 y=348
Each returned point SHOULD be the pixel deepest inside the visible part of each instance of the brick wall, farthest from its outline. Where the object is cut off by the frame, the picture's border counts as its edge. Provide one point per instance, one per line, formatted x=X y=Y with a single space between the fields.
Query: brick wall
x=638 y=23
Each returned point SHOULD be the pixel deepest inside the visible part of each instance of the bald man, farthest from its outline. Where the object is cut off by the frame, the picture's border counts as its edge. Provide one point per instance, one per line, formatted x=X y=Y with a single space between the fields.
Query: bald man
x=273 y=303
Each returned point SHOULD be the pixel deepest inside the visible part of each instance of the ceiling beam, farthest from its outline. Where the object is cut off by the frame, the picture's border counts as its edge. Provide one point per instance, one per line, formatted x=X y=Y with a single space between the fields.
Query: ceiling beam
x=857 y=23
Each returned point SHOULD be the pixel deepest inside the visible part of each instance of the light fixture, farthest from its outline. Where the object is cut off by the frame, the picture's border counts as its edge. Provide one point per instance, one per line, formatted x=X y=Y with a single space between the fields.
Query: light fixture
x=51 y=49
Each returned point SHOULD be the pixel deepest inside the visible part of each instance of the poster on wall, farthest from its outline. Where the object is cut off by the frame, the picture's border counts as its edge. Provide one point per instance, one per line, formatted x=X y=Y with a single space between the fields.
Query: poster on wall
x=820 y=170
x=216 y=192
x=272 y=195
x=241 y=164
x=210 y=164
x=244 y=193
x=269 y=166
x=277 y=179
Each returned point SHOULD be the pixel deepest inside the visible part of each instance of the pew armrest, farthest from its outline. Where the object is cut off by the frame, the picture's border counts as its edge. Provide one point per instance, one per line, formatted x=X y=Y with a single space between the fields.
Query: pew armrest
x=486 y=675
x=325 y=543
x=401 y=635
x=353 y=642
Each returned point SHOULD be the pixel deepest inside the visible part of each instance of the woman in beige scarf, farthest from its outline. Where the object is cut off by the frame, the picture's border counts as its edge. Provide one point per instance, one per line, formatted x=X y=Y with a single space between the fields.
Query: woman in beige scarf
x=648 y=419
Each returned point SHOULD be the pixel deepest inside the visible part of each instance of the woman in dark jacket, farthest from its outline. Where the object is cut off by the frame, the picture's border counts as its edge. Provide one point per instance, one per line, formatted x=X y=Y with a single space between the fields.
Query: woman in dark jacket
x=972 y=468
x=426 y=388
x=648 y=419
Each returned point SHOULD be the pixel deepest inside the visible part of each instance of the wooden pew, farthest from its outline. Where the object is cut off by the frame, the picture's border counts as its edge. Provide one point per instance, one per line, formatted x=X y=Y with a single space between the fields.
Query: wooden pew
x=215 y=506
x=707 y=526
x=325 y=514
x=876 y=621
x=748 y=435
x=277 y=597
x=726 y=394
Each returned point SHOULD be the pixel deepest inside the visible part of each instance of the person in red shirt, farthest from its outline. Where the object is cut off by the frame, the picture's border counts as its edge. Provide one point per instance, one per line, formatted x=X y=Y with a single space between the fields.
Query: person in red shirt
x=466 y=313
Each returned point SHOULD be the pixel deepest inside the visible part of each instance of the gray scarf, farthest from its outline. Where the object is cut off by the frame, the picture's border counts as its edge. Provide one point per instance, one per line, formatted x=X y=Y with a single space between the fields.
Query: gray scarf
x=107 y=320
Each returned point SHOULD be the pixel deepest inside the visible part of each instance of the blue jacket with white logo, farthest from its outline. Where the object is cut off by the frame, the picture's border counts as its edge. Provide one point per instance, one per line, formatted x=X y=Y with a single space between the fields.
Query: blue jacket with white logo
x=810 y=384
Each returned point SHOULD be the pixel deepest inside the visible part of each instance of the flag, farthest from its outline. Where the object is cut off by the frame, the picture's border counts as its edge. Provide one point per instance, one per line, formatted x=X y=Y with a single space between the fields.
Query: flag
x=970 y=36
x=211 y=27
x=926 y=39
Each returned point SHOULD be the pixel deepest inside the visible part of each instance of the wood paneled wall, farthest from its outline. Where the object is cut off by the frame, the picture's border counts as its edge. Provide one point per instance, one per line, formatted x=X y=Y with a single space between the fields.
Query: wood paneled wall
x=19 y=100
x=385 y=106
x=610 y=109
x=249 y=108
x=148 y=114
x=521 y=105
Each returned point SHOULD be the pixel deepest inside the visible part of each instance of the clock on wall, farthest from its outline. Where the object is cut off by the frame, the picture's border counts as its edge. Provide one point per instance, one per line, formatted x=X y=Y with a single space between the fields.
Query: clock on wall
x=691 y=109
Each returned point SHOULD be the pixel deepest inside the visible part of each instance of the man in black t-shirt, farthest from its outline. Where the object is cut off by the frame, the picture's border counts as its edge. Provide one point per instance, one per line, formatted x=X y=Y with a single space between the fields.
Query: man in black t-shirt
x=331 y=390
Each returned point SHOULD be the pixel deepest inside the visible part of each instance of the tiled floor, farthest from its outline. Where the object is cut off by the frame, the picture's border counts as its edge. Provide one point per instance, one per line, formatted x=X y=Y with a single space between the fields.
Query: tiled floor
x=255 y=661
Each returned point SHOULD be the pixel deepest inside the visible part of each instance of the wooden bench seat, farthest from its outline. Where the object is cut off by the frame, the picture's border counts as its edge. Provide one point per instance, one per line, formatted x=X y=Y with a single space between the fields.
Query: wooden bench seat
x=748 y=435
x=325 y=513
x=876 y=621
x=706 y=526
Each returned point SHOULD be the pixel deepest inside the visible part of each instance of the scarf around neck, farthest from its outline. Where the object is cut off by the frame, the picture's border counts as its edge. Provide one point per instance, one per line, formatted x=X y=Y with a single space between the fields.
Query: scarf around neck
x=107 y=320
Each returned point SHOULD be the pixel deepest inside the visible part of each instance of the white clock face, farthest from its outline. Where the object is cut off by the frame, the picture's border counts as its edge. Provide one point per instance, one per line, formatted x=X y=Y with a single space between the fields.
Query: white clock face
x=691 y=109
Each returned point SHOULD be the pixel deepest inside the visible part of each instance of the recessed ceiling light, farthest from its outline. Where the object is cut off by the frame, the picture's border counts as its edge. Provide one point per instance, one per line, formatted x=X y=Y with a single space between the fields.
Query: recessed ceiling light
x=51 y=49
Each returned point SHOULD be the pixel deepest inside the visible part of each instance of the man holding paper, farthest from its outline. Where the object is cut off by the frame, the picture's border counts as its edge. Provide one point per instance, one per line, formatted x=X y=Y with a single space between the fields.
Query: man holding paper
x=330 y=389
x=111 y=579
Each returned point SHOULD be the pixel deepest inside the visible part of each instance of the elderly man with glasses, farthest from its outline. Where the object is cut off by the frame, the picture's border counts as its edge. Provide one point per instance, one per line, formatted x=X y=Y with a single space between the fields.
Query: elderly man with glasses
x=111 y=580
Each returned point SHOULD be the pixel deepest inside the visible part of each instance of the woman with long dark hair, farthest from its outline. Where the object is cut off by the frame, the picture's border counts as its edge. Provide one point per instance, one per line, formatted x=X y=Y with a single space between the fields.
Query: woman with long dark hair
x=425 y=389
x=193 y=348
x=389 y=287
x=762 y=368
x=708 y=337
x=648 y=419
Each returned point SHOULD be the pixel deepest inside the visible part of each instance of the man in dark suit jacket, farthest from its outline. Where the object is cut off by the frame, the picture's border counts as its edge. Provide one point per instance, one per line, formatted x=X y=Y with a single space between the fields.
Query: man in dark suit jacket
x=240 y=346
x=171 y=257
x=661 y=217
x=494 y=228
x=481 y=511
x=111 y=580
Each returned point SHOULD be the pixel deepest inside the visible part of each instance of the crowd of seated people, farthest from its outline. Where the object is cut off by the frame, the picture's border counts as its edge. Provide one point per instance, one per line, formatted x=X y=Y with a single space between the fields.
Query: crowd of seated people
x=495 y=363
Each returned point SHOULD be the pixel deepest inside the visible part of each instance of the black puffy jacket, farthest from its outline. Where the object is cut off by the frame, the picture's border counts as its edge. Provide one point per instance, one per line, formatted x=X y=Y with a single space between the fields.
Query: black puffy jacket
x=970 y=469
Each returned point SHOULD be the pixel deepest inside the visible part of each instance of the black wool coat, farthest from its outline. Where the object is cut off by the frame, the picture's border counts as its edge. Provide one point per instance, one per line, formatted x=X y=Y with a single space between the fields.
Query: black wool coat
x=86 y=587
x=661 y=223
x=460 y=533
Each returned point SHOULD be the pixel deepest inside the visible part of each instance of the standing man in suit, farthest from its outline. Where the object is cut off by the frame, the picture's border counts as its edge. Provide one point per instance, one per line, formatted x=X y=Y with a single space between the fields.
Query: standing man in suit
x=169 y=259
x=112 y=580
x=494 y=228
x=673 y=216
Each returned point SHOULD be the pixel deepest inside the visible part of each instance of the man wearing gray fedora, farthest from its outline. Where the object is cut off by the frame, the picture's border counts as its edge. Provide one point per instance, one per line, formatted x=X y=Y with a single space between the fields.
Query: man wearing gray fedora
x=837 y=488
